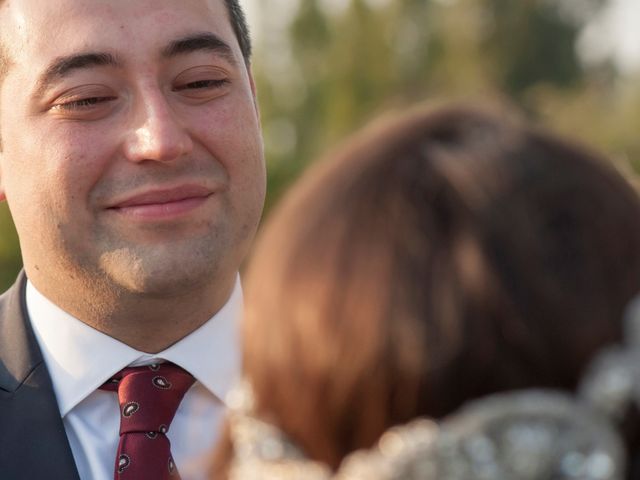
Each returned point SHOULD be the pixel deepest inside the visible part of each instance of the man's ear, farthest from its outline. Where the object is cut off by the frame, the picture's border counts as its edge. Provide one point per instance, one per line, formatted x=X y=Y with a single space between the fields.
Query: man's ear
x=254 y=91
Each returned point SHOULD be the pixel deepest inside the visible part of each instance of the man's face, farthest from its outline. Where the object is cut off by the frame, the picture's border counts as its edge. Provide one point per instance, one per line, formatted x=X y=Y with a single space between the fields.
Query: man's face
x=131 y=142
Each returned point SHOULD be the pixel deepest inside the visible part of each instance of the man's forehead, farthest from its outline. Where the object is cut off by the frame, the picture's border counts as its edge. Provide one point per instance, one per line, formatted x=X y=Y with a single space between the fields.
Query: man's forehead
x=62 y=23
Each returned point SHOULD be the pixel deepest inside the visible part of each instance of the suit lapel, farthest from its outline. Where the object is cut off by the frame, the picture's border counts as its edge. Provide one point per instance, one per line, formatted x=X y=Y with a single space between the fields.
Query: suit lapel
x=33 y=443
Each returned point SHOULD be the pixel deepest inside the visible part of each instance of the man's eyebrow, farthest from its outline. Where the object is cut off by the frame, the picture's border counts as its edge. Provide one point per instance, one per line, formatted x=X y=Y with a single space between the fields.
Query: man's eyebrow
x=63 y=66
x=200 y=41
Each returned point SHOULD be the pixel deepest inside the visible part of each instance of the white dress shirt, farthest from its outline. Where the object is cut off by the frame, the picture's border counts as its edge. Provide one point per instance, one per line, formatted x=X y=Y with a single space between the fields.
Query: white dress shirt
x=80 y=359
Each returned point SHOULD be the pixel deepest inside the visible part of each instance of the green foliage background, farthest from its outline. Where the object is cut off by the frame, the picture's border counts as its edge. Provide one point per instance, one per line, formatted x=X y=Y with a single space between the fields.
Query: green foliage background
x=10 y=261
x=325 y=71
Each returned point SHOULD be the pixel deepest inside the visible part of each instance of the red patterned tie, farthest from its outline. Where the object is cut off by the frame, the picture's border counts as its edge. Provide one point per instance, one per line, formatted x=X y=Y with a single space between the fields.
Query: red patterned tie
x=148 y=397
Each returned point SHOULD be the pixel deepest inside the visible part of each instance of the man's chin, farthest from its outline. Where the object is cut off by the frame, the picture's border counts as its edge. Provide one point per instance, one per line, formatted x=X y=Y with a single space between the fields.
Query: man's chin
x=160 y=274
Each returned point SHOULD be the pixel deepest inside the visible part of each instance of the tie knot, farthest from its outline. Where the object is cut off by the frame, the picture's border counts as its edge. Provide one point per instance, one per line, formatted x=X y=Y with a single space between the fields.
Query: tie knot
x=149 y=396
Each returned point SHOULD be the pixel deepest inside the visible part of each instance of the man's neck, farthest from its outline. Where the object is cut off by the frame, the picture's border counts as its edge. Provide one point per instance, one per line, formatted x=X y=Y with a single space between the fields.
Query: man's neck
x=148 y=323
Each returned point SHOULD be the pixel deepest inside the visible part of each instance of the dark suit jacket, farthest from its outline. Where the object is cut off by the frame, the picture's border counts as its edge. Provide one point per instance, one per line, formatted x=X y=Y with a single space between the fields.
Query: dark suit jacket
x=33 y=443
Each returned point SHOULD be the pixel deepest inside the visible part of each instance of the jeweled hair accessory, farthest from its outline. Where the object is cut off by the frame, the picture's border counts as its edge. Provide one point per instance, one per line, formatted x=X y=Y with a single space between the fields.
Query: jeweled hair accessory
x=521 y=435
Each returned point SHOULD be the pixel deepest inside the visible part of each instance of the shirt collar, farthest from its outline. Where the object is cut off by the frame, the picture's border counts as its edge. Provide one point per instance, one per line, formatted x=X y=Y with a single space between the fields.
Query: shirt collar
x=80 y=358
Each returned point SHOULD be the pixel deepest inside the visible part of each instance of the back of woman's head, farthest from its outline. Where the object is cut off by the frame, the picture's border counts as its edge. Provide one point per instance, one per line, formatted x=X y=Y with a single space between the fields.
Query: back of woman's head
x=439 y=256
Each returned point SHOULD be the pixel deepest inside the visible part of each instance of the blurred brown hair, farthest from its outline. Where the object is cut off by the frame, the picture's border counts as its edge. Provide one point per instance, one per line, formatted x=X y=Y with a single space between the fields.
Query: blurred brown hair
x=437 y=257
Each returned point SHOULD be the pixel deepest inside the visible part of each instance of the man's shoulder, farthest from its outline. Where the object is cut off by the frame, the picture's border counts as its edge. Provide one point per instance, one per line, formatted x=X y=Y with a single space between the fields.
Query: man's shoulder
x=12 y=306
x=33 y=443
x=19 y=352
x=8 y=295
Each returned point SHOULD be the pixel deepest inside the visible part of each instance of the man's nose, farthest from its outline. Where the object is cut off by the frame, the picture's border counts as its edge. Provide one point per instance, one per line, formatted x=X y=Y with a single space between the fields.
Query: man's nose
x=157 y=134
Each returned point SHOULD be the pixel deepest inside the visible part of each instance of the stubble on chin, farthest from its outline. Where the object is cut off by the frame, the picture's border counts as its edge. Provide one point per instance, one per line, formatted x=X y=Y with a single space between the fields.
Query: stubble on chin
x=161 y=272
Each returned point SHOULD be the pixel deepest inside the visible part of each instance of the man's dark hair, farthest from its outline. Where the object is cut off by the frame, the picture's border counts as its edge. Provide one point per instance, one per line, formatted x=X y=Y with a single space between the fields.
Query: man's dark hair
x=240 y=27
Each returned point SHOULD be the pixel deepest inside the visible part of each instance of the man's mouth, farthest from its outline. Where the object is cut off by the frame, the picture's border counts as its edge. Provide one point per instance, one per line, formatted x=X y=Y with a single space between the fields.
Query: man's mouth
x=159 y=204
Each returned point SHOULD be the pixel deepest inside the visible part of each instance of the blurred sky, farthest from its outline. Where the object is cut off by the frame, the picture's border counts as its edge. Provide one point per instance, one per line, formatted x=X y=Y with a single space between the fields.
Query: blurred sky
x=615 y=33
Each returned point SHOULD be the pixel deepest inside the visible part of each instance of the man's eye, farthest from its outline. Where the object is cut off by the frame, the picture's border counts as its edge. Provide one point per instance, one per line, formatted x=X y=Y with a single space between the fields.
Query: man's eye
x=201 y=84
x=82 y=103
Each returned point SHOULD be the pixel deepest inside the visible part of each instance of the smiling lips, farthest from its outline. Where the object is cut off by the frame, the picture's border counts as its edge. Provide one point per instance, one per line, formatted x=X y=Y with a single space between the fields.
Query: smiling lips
x=163 y=204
